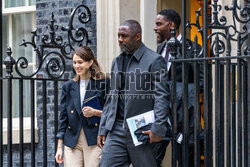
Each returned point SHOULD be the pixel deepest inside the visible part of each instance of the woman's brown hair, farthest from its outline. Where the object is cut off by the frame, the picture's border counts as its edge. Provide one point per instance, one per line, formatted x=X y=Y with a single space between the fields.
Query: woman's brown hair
x=86 y=54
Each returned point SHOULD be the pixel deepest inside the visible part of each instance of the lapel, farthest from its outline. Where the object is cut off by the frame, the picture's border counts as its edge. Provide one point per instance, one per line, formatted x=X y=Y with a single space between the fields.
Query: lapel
x=75 y=94
x=91 y=88
x=160 y=48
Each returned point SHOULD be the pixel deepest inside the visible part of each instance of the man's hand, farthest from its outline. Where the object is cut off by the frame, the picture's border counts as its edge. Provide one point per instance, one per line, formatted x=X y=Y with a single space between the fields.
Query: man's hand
x=101 y=140
x=153 y=137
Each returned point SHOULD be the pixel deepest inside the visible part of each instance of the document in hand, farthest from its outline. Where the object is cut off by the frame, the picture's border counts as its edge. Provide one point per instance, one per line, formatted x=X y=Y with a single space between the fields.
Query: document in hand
x=138 y=121
x=94 y=103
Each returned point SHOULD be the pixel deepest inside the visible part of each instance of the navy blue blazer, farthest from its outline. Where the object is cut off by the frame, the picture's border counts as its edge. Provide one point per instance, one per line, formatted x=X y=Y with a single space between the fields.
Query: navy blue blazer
x=71 y=118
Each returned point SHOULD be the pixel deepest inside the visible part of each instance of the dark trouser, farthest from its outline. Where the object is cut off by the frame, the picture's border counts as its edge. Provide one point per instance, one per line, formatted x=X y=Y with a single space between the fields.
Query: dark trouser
x=159 y=150
x=119 y=150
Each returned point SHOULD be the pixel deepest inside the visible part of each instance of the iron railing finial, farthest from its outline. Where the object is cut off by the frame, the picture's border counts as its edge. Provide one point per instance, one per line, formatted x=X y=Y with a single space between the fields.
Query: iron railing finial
x=173 y=43
x=9 y=62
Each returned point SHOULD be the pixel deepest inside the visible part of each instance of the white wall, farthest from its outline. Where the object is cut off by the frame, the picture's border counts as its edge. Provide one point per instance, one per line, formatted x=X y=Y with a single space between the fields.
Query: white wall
x=110 y=14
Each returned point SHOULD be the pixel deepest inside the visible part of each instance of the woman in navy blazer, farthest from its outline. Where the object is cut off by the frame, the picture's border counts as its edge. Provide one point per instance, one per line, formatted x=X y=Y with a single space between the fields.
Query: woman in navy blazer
x=79 y=124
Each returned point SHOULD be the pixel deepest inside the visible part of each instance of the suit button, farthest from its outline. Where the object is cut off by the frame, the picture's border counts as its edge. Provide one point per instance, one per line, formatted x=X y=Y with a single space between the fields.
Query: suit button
x=96 y=124
x=69 y=127
x=72 y=111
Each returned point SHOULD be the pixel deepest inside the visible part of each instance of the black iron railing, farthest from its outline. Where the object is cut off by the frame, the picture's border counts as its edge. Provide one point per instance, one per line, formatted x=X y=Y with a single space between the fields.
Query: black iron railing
x=51 y=53
x=225 y=89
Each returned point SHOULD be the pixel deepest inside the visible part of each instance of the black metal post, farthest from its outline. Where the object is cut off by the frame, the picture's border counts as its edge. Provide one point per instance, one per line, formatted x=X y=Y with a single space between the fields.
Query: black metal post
x=9 y=110
x=207 y=123
x=228 y=106
x=185 y=148
x=9 y=62
x=1 y=90
x=222 y=102
x=196 y=109
x=32 y=114
x=44 y=123
x=217 y=104
x=173 y=44
x=233 y=116
x=245 y=114
x=56 y=113
x=21 y=122
x=247 y=160
x=248 y=104
x=239 y=102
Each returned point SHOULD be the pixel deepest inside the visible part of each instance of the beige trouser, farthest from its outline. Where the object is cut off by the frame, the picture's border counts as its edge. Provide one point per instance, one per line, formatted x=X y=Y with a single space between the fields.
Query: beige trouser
x=82 y=155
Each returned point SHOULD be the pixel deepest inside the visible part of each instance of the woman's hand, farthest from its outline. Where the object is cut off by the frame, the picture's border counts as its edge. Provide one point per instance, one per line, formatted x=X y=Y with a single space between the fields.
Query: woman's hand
x=58 y=155
x=59 y=151
x=90 y=112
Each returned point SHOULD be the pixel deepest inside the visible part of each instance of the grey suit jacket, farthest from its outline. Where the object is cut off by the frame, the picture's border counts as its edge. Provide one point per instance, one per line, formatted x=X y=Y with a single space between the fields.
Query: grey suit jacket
x=146 y=89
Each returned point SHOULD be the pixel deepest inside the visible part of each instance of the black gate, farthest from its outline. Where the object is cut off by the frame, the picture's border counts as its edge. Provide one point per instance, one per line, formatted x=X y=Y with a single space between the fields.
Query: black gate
x=224 y=60
x=224 y=139
x=51 y=64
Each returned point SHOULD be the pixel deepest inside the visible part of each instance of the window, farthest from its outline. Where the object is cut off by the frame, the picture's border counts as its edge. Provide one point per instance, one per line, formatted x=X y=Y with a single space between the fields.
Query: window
x=18 y=21
x=18 y=3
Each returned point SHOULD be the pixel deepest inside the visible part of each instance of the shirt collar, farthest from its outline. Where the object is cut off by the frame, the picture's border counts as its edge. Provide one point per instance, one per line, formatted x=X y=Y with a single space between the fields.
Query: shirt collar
x=179 y=38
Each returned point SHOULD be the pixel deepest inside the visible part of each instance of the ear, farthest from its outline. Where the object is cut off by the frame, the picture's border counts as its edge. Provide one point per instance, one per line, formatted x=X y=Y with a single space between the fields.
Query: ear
x=172 y=25
x=138 y=37
x=91 y=62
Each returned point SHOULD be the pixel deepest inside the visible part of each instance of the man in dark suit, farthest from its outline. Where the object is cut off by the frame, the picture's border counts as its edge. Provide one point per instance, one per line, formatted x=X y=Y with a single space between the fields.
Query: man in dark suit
x=165 y=21
x=138 y=84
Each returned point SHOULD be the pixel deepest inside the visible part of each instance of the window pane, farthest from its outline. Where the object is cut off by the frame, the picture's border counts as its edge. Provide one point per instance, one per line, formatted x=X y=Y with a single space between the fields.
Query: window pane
x=5 y=39
x=5 y=44
x=32 y=2
x=14 y=3
x=5 y=34
x=21 y=29
x=15 y=96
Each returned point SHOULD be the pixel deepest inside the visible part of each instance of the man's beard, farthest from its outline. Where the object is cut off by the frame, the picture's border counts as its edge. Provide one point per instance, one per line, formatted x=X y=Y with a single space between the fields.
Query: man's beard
x=129 y=48
x=125 y=49
x=162 y=38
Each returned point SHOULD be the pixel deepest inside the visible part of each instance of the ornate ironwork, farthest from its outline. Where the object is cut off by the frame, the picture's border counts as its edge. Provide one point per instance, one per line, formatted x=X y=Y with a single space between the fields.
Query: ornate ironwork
x=229 y=32
x=173 y=44
x=79 y=34
x=55 y=60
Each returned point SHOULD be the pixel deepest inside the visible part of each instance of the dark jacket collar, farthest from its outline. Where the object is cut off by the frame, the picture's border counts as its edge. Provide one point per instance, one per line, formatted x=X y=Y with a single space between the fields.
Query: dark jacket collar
x=139 y=52
x=137 y=55
x=161 y=47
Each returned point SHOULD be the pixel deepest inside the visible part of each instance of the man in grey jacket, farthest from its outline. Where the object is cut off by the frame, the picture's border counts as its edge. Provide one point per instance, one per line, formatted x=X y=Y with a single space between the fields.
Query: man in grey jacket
x=138 y=84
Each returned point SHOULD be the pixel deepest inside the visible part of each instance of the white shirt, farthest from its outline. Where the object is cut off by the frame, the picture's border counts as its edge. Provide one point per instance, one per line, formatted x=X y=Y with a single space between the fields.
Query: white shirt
x=164 y=52
x=83 y=87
